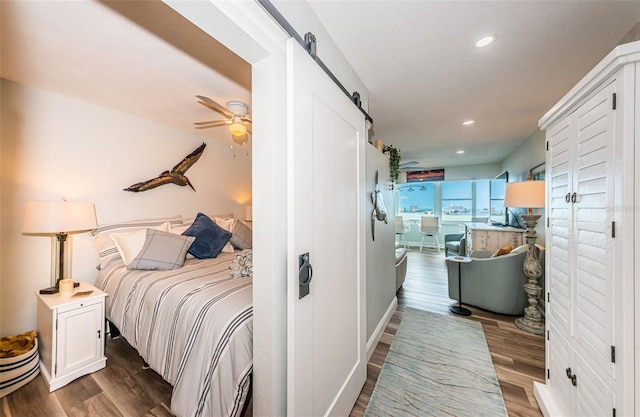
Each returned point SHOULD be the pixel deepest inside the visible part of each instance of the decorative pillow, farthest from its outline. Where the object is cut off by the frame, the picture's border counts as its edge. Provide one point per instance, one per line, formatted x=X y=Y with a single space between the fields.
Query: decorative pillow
x=503 y=250
x=226 y=224
x=162 y=250
x=129 y=244
x=210 y=238
x=106 y=247
x=242 y=264
x=242 y=236
x=181 y=229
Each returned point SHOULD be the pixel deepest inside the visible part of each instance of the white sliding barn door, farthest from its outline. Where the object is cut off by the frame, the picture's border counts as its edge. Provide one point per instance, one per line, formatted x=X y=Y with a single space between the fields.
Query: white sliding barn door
x=326 y=348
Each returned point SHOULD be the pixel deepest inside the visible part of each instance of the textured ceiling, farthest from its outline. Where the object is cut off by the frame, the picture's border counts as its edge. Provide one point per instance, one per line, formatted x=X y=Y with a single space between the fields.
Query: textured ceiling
x=416 y=58
x=425 y=77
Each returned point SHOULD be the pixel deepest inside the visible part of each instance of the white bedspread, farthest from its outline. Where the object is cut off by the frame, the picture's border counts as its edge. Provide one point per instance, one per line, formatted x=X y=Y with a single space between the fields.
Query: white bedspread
x=193 y=325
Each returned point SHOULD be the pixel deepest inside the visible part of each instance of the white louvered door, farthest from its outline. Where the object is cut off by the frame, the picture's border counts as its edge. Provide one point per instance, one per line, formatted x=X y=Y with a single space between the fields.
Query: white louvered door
x=580 y=247
x=593 y=216
x=559 y=211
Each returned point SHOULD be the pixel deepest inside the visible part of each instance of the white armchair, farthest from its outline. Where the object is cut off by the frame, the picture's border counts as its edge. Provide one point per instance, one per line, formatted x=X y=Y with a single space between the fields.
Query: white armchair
x=430 y=227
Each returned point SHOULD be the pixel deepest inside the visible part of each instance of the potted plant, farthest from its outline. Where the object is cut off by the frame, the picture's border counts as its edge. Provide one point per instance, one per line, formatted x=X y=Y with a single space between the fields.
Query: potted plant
x=394 y=163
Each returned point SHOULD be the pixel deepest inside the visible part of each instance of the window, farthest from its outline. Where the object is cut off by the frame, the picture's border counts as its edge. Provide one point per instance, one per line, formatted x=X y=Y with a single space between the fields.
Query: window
x=453 y=201
x=457 y=201
x=415 y=200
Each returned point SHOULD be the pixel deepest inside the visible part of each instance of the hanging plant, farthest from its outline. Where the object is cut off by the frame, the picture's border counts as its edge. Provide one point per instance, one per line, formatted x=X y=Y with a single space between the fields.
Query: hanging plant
x=394 y=163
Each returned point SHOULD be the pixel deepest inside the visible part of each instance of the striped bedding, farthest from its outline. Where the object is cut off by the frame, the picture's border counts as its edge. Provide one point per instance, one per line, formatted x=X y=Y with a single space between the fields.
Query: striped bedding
x=192 y=325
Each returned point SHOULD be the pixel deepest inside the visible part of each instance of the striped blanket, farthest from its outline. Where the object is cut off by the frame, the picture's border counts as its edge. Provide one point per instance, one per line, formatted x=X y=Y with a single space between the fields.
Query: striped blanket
x=193 y=325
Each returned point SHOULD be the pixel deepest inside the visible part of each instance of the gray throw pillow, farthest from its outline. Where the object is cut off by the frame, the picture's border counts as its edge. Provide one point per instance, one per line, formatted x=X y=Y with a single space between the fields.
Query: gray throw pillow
x=241 y=236
x=162 y=250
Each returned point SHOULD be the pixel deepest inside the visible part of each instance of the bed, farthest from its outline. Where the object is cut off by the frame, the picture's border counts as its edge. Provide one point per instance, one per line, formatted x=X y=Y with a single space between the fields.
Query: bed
x=193 y=324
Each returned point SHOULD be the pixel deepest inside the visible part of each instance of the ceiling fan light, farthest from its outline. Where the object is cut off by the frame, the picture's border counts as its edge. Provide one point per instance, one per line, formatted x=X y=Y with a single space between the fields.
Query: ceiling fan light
x=240 y=140
x=237 y=129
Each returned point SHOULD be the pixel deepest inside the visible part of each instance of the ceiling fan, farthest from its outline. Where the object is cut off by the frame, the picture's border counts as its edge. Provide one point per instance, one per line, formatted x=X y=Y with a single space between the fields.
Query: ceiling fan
x=410 y=166
x=237 y=118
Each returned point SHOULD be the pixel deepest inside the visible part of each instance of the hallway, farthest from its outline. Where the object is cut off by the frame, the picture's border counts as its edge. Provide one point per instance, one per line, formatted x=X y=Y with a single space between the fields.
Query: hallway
x=518 y=357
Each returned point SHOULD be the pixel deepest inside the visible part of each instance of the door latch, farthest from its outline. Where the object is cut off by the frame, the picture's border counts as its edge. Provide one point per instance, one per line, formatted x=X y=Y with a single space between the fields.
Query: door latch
x=305 y=272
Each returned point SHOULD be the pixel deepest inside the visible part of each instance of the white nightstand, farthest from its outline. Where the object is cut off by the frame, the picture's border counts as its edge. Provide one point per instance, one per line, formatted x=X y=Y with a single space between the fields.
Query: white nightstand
x=71 y=335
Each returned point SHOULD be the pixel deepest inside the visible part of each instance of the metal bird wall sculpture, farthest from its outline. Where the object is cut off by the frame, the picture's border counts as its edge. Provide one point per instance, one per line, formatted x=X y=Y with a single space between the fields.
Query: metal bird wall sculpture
x=175 y=176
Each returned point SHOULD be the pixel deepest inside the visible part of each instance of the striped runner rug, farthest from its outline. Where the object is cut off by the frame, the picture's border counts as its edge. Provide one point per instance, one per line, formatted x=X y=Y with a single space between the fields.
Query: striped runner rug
x=437 y=365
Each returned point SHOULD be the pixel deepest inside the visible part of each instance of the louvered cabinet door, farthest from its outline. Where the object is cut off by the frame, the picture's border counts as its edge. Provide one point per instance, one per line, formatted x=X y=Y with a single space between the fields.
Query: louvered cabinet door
x=560 y=356
x=593 y=396
x=593 y=214
x=558 y=234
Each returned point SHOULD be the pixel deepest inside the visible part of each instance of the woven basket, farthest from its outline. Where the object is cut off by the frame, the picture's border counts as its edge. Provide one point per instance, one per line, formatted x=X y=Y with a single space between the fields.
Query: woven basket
x=19 y=370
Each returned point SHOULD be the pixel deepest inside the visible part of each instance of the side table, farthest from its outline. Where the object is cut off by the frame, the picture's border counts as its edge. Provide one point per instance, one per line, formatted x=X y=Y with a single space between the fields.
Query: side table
x=458 y=309
x=71 y=333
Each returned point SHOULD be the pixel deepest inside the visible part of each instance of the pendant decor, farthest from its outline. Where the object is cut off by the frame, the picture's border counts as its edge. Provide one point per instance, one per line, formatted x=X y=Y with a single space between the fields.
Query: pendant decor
x=379 y=209
x=175 y=176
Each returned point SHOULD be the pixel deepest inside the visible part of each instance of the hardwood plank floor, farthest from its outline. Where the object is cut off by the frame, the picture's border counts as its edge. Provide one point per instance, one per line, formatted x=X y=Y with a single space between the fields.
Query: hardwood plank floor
x=123 y=388
x=518 y=356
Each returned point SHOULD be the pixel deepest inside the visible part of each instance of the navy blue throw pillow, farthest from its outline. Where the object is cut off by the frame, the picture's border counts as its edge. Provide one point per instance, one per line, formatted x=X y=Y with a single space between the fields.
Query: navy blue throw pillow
x=210 y=238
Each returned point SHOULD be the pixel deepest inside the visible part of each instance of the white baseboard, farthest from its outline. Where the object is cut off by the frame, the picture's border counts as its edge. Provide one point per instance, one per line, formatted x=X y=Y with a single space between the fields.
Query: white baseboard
x=377 y=333
x=545 y=400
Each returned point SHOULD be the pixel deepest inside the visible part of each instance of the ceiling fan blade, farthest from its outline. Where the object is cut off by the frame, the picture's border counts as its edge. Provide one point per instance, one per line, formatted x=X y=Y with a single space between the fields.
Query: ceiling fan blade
x=404 y=164
x=413 y=168
x=207 y=102
x=248 y=126
x=212 y=123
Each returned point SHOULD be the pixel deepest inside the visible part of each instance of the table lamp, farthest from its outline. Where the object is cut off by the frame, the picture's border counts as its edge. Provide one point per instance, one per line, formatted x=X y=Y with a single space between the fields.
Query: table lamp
x=58 y=218
x=529 y=194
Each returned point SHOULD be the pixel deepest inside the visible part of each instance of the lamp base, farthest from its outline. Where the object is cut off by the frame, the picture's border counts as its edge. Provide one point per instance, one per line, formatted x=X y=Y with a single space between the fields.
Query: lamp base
x=50 y=290
x=535 y=327
x=55 y=289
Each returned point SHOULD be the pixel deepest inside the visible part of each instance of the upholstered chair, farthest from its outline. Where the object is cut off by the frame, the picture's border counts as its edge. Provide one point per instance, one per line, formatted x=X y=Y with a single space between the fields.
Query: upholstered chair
x=455 y=244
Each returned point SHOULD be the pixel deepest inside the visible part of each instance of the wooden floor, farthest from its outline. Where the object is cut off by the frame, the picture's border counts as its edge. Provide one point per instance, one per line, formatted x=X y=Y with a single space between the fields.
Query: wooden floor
x=123 y=388
x=518 y=357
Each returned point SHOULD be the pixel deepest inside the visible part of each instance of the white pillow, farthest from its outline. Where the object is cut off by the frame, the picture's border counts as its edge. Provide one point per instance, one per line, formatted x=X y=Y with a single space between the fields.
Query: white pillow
x=129 y=244
x=226 y=224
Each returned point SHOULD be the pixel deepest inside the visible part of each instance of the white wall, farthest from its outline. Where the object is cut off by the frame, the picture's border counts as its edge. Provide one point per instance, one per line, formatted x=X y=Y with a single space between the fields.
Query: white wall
x=55 y=146
x=528 y=155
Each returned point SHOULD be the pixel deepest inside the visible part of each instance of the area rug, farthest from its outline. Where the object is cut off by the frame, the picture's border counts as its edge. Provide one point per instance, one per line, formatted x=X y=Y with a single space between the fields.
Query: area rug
x=437 y=365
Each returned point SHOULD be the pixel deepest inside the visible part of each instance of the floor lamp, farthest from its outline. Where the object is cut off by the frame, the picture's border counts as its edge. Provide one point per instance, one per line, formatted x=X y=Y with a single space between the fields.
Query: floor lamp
x=58 y=218
x=529 y=194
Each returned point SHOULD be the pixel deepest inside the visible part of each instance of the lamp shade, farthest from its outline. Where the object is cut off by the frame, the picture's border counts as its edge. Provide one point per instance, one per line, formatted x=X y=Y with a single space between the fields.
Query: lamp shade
x=524 y=194
x=53 y=217
x=248 y=213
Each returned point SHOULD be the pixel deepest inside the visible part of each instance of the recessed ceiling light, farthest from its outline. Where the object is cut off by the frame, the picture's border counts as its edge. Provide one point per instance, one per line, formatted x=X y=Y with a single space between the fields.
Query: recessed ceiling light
x=460 y=152
x=468 y=122
x=485 y=41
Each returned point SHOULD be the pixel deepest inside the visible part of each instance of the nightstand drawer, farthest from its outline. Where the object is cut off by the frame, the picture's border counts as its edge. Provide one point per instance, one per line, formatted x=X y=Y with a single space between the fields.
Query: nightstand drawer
x=79 y=304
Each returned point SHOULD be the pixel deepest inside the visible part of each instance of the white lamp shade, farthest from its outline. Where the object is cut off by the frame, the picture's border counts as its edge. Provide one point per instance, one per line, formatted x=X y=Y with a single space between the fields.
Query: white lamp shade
x=525 y=194
x=248 y=213
x=53 y=217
